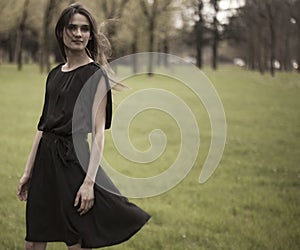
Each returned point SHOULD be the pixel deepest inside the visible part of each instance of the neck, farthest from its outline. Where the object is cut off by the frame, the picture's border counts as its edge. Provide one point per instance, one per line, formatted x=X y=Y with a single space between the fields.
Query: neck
x=76 y=58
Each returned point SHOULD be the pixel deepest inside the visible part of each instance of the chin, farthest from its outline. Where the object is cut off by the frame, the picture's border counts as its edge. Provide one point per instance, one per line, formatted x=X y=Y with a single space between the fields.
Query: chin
x=76 y=48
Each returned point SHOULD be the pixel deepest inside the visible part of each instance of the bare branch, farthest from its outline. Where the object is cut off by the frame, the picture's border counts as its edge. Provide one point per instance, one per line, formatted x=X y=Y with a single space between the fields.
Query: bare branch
x=144 y=8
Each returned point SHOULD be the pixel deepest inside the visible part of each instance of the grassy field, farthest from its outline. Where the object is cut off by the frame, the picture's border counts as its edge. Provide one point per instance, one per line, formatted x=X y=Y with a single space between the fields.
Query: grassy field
x=251 y=202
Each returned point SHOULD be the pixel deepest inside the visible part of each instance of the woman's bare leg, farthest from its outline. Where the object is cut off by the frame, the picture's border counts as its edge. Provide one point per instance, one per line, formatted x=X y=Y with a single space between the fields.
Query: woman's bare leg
x=35 y=245
x=78 y=247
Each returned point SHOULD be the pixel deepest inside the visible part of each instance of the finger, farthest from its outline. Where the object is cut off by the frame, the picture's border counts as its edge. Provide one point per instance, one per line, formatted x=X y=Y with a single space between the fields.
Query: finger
x=91 y=204
x=88 y=207
x=20 y=195
x=18 y=191
x=25 y=196
x=85 y=207
x=82 y=205
x=77 y=199
x=83 y=211
x=19 y=188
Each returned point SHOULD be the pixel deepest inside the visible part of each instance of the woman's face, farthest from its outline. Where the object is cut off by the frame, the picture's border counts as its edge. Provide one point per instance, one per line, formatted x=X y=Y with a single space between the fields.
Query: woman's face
x=77 y=33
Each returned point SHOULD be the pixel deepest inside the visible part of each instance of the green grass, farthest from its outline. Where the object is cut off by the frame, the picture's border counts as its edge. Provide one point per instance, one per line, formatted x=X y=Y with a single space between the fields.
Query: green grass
x=252 y=200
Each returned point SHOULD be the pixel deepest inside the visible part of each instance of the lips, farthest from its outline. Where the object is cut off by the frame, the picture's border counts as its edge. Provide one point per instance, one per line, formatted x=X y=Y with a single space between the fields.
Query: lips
x=77 y=41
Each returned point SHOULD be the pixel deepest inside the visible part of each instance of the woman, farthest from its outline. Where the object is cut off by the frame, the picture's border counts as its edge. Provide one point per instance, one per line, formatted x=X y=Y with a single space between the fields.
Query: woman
x=63 y=202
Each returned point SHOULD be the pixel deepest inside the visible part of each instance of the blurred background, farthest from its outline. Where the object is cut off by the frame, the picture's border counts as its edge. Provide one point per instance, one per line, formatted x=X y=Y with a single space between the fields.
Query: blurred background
x=248 y=49
x=259 y=35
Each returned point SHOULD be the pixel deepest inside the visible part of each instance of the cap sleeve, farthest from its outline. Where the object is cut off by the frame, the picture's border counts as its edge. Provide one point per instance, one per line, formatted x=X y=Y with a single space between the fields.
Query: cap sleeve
x=108 y=110
x=82 y=114
x=42 y=122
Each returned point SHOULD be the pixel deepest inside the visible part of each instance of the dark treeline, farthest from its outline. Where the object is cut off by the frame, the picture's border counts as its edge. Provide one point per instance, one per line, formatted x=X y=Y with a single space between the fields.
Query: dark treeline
x=264 y=35
x=267 y=34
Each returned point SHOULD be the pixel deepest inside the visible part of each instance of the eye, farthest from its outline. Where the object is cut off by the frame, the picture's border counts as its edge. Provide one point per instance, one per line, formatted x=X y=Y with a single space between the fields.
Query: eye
x=71 y=27
x=85 y=28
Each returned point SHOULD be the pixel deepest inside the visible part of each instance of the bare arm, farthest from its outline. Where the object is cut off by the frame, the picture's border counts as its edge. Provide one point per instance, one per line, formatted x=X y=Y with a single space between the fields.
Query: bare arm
x=25 y=179
x=32 y=154
x=99 y=108
x=86 y=191
x=97 y=142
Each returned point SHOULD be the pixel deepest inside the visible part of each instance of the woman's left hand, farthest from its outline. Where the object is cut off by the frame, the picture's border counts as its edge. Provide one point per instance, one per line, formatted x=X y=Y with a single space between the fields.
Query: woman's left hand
x=23 y=187
x=86 y=195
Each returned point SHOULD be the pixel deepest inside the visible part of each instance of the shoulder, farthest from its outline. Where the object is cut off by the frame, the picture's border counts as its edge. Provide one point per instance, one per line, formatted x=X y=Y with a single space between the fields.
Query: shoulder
x=54 y=71
x=94 y=71
x=56 y=68
x=96 y=67
x=89 y=70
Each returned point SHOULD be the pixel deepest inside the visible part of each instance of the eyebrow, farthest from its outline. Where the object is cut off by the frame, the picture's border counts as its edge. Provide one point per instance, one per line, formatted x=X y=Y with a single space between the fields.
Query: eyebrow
x=76 y=25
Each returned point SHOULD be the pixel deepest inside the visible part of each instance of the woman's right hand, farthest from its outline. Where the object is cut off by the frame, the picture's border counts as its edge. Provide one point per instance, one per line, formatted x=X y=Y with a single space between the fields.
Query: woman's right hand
x=23 y=187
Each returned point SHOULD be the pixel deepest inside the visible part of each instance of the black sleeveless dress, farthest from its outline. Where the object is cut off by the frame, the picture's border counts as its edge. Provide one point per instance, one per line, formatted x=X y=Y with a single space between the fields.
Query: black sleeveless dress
x=58 y=174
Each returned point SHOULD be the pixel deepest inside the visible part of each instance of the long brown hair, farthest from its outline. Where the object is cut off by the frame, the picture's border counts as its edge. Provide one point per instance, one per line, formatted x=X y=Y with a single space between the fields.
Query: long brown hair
x=98 y=47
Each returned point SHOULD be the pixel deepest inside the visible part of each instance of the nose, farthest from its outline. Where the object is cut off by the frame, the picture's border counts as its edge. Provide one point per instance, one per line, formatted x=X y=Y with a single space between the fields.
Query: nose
x=77 y=32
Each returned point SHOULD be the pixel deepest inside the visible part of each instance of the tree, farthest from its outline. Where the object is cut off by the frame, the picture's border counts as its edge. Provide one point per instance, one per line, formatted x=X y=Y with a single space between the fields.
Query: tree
x=199 y=30
x=130 y=34
x=152 y=10
x=20 y=35
x=284 y=35
x=165 y=32
x=269 y=5
x=264 y=29
x=51 y=5
x=295 y=8
x=215 y=33
x=113 y=11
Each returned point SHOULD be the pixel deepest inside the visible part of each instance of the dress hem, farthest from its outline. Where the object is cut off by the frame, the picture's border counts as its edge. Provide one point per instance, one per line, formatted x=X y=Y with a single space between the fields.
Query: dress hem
x=82 y=243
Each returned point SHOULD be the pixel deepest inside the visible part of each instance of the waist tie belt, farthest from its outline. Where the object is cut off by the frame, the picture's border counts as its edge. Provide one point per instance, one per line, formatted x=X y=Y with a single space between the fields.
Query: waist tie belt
x=64 y=147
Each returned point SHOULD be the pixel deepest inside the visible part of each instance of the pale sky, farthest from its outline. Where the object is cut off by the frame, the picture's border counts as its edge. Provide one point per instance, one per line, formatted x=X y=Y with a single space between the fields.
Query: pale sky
x=226 y=4
x=208 y=11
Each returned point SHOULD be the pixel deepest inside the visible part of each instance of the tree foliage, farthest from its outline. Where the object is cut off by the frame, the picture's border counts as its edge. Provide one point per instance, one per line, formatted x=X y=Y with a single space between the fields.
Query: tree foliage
x=265 y=34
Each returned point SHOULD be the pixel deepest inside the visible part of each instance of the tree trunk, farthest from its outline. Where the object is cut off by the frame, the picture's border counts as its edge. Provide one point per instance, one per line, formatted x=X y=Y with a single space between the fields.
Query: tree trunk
x=152 y=19
x=286 y=53
x=20 y=35
x=159 y=55
x=48 y=16
x=272 y=38
x=298 y=50
x=261 y=64
x=113 y=12
x=215 y=45
x=251 y=49
x=199 y=34
x=11 y=49
x=199 y=53
x=216 y=37
x=166 y=51
x=251 y=52
x=151 y=46
x=272 y=52
x=134 y=51
x=199 y=43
